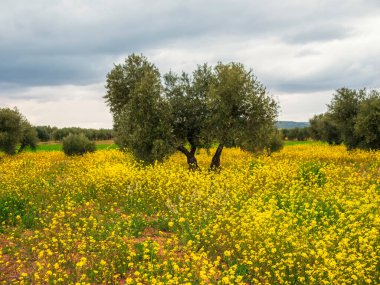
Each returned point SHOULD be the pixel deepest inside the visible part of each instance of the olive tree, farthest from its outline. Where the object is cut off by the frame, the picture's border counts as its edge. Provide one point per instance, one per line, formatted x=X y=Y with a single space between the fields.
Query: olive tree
x=343 y=110
x=367 y=125
x=15 y=131
x=153 y=117
x=324 y=128
x=29 y=136
x=353 y=118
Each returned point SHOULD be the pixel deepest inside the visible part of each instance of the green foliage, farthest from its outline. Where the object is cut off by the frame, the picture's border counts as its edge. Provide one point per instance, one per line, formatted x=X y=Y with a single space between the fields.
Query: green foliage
x=241 y=111
x=275 y=143
x=367 y=126
x=353 y=118
x=29 y=136
x=299 y=134
x=141 y=116
x=58 y=134
x=15 y=130
x=43 y=133
x=323 y=128
x=10 y=130
x=187 y=97
x=343 y=110
x=77 y=145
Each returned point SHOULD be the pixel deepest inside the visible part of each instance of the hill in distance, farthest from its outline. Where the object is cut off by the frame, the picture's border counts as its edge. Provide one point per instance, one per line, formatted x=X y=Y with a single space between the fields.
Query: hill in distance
x=291 y=124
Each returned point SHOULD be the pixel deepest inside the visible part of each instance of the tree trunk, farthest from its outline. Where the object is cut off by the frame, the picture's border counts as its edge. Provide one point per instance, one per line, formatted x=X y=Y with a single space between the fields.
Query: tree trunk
x=21 y=148
x=190 y=155
x=215 y=162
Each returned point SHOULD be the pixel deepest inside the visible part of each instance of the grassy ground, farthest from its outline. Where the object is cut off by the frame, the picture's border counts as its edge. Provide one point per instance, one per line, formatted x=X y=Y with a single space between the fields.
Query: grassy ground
x=292 y=143
x=57 y=146
x=109 y=144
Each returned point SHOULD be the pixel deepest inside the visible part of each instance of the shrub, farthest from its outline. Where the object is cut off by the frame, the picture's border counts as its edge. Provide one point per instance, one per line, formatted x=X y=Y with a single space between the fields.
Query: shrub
x=276 y=143
x=77 y=144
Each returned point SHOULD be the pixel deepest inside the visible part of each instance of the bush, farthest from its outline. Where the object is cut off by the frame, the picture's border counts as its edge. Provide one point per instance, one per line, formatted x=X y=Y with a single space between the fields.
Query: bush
x=77 y=144
x=276 y=143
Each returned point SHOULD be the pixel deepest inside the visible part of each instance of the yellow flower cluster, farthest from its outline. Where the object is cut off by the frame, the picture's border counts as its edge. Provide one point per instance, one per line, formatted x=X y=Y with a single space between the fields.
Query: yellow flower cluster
x=306 y=215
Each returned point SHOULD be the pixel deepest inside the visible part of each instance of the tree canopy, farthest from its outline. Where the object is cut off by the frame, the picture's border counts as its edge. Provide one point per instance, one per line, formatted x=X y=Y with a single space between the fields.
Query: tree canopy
x=155 y=115
x=141 y=115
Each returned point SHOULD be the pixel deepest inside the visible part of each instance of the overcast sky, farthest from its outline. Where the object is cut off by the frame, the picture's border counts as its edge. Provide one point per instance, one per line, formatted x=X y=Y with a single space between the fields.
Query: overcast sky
x=54 y=55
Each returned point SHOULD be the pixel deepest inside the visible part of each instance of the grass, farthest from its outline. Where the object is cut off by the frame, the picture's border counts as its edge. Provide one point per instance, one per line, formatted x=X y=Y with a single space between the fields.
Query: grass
x=292 y=143
x=109 y=144
x=57 y=146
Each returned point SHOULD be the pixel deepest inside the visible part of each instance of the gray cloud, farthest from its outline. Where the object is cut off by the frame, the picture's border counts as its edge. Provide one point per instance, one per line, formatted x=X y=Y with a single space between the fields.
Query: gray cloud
x=62 y=106
x=303 y=106
x=49 y=42
x=319 y=32
x=44 y=94
x=294 y=46
x=350 y=75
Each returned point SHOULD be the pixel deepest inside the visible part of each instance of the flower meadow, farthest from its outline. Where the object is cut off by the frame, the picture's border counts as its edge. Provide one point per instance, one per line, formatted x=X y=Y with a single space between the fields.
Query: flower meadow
x=306 y=215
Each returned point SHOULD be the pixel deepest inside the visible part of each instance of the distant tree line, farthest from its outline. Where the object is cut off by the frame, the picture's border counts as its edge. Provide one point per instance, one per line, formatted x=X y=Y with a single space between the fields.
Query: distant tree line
x=48 y=133
x=352 y=118
x=299 y=134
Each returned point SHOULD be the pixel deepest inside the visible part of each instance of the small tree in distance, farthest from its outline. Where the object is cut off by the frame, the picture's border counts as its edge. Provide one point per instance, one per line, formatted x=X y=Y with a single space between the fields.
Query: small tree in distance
x=343 y=109
x=225 y=105
x=29 y=136
x=323 y=128
x=353 y=118
x=15 y=131
x=77 y=144
x=367 y=125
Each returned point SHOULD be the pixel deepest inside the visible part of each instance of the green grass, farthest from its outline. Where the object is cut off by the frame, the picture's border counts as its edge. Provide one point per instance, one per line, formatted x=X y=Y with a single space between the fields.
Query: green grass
x=58 y=147
x=49 y=147
x=291 y=143
x=106 y=146
x=103 y=146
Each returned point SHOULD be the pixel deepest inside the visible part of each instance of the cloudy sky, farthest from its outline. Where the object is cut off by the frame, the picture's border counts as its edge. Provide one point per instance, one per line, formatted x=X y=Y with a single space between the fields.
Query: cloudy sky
x=54 y=55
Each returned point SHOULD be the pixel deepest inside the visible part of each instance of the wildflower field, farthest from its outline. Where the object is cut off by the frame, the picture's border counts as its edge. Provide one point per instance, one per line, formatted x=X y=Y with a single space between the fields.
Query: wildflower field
x=306 y=215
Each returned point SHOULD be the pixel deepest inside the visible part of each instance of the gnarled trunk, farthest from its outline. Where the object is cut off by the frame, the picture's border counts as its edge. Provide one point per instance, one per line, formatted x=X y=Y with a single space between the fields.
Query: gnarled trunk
x=22 y=147
x=215 y=161
x=190 y=155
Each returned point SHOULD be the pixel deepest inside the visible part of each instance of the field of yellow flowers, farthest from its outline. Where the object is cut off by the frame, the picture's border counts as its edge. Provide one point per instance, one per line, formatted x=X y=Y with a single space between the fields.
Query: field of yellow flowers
x=306 y=215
